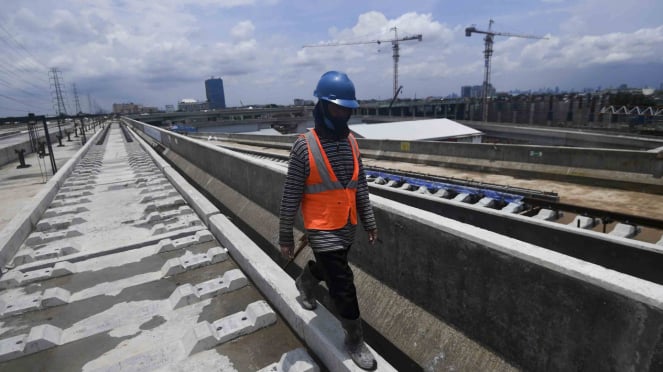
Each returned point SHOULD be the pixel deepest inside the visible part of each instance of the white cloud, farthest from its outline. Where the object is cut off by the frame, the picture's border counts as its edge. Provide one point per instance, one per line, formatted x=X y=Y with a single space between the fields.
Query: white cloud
x=641 y=46
x=243 y=30
x=156 y=52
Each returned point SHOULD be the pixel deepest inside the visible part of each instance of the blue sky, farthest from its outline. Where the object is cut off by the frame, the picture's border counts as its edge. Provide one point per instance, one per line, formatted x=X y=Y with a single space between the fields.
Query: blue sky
x=158 y=52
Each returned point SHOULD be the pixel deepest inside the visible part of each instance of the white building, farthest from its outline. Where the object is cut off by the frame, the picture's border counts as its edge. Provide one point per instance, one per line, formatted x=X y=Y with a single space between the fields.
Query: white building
x=190 y=104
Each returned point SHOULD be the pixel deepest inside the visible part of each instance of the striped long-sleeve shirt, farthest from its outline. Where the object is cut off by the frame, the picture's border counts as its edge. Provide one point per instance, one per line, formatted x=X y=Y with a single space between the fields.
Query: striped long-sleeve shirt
x=339 y=154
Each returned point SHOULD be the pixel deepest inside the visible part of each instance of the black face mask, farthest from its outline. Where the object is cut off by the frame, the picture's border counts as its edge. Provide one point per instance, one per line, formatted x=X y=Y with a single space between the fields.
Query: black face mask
x=337 y=125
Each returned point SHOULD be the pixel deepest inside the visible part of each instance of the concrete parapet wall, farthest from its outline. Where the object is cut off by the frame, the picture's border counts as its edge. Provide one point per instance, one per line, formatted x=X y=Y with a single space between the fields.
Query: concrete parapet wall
x=619 y=168
x=601 y=159
x=540 y=309
x=629 y=256
x=566 y=137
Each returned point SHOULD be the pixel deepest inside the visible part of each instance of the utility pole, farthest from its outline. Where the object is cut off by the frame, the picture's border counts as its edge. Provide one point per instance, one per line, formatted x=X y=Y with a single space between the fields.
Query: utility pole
x=56 y=84
x=487 y=53
x=89 y=104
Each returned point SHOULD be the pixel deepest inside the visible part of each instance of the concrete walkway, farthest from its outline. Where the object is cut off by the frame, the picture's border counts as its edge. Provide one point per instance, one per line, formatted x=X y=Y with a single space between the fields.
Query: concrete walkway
x=19 y=185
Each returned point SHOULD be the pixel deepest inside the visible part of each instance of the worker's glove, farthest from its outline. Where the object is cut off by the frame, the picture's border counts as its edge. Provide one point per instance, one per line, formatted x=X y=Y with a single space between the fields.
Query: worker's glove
x=288 y=250
x=372 y=236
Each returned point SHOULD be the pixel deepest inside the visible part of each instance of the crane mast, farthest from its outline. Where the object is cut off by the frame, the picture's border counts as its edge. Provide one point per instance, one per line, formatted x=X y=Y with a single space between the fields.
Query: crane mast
x=395 y=47
x=487 y=53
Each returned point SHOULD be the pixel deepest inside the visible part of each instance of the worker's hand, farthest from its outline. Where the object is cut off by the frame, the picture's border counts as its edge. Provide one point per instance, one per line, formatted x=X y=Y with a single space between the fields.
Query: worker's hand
x=373 y=236
x=288 y=250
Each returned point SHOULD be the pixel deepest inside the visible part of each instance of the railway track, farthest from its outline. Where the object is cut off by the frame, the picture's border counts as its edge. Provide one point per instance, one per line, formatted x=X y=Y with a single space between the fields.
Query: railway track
x=536 y=204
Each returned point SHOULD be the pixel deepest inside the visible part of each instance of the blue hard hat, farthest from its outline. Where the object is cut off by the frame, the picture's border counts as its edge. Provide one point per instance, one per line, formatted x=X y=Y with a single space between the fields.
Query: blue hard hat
x=336 y=87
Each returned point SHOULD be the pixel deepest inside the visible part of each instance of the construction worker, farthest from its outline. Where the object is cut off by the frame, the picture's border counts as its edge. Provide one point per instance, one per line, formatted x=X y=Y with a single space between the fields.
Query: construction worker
x=326 y=177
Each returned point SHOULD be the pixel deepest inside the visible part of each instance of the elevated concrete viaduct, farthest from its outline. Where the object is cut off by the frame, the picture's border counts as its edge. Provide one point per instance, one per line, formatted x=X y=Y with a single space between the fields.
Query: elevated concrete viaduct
x=626 y=169
x=452 y=295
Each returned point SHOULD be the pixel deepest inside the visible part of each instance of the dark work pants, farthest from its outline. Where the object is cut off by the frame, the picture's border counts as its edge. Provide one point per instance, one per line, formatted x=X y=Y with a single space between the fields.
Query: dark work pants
x=333 y=268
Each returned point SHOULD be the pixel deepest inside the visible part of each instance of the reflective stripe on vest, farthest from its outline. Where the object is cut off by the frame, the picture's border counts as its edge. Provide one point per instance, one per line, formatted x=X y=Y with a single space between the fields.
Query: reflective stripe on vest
x=326 y=204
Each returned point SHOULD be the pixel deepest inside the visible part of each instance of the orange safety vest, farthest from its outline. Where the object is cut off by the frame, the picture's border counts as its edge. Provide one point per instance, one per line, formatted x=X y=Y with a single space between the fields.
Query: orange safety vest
x=326 y=204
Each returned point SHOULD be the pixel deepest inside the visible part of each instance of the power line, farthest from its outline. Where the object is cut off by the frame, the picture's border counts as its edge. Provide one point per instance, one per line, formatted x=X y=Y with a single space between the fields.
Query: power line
x=6 y=84
x=17 y=101
x=11 y=74
x=18 y=74
x=33 y=58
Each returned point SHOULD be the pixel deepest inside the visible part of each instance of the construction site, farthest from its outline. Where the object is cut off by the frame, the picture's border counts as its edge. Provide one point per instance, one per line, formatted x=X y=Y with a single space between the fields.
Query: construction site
x=515 y=234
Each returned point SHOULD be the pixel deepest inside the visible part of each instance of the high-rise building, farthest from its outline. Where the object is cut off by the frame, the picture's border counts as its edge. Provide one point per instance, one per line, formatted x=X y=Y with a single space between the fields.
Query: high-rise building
x=215 y=96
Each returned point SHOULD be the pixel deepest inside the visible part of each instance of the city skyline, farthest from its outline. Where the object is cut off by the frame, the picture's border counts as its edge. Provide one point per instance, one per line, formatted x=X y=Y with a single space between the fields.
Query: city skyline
x=157 y=53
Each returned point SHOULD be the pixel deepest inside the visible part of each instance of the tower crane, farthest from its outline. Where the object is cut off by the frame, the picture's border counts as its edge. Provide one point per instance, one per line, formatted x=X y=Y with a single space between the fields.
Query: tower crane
x=394 y=47
x=488 y=52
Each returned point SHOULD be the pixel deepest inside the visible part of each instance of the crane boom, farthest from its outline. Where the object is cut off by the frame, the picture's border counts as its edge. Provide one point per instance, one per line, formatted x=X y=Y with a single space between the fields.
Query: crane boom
x=470 y=30
x=488 y=52
x=416 y=37
x=394 y=46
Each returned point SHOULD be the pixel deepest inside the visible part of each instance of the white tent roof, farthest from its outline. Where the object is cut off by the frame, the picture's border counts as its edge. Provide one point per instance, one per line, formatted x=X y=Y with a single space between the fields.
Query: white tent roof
x=415 y=130
x=264 y=131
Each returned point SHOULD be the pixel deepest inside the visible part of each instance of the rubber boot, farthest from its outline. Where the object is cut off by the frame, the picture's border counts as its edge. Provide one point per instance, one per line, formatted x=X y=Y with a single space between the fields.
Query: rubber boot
x=305 y=283
x=355 y=346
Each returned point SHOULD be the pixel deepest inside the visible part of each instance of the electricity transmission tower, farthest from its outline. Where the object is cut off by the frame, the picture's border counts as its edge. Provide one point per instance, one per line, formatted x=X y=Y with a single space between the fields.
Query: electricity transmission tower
x=55 y=78
x=78 y=104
